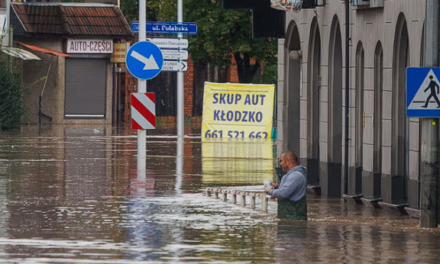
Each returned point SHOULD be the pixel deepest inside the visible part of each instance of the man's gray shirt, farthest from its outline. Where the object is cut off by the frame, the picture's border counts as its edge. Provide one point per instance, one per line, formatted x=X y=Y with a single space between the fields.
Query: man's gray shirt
x=293 y=185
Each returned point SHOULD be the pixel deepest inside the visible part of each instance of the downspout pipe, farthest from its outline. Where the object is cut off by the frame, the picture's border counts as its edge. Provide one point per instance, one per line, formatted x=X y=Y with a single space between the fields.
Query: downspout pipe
x=347 y=92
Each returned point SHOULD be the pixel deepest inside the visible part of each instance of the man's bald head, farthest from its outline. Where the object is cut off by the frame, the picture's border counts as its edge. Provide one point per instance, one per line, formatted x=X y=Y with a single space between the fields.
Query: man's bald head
x=291 y=156
x=288 y=160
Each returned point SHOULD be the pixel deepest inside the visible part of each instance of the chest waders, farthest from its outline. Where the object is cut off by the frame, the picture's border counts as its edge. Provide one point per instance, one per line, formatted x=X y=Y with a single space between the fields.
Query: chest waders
x=292 y=210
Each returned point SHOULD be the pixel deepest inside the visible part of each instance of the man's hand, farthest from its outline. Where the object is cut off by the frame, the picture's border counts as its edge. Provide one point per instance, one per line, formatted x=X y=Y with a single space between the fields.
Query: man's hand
x=274 y=186
x=267 y=189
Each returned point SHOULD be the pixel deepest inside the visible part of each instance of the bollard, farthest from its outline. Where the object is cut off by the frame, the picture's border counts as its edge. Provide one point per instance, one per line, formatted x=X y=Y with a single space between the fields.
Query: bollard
x=253 y=202
x=253 y=196
x=264 y=203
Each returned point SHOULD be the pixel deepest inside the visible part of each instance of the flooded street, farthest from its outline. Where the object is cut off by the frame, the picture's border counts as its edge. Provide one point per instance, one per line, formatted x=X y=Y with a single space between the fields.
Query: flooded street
x=73 y=195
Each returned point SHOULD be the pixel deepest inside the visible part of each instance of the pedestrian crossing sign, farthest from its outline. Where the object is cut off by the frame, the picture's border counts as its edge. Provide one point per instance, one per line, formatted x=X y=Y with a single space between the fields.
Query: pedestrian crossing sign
x=423 y=92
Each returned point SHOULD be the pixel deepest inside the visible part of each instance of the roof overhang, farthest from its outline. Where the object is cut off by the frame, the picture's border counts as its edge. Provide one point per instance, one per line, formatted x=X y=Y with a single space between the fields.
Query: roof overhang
x=19 y=53
x=49 y=51
x=27 y=55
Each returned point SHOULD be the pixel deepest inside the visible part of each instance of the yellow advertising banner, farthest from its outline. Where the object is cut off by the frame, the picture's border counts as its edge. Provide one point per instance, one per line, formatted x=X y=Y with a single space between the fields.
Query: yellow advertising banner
x=119 y=52
x=234 y=110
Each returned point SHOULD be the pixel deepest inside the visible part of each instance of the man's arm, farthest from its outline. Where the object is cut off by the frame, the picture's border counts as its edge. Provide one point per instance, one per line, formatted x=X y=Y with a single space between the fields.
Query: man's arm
x=286 y=189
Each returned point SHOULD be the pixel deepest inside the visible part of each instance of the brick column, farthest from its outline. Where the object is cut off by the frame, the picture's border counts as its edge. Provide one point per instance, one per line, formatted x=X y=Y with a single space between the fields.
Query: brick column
x=233 y=73
x=189 y=88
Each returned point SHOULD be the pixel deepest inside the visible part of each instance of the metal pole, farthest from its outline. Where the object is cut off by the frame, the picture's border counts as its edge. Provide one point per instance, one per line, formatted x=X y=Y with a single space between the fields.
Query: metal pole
x=347 y=92
x=142 y=134
x=180 y=92
x=179 y=167
x=429 y=134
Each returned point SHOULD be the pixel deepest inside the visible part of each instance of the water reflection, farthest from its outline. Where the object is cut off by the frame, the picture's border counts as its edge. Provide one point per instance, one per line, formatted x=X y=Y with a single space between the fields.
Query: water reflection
x=77 y=194
x=237 y=161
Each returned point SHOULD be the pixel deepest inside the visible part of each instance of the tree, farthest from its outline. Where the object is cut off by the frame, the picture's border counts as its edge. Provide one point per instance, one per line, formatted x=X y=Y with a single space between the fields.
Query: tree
x=226 y=33
x=11 y=96
x=222 y=34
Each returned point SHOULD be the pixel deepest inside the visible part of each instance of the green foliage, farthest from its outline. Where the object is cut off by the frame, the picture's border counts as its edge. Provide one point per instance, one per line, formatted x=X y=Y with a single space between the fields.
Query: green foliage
x=222 y=34
x=11 y=96
x=270 y=72
x=157 y=10
x=226 y=33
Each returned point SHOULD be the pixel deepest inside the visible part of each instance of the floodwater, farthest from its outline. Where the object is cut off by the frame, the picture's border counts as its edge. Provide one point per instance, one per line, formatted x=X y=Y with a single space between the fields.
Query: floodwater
x=73 y=194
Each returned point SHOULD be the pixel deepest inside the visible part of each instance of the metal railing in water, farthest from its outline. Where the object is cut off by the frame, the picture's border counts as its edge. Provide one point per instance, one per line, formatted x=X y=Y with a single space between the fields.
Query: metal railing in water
x=223 y=194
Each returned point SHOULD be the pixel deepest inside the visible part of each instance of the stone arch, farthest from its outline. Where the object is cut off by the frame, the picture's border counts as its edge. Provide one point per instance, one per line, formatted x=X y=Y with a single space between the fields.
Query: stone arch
x=399 y=130
x=292 y=87
x=377 y=119
x=313 y=103
x=355 y=178
x=359 y=103
x=335 y=110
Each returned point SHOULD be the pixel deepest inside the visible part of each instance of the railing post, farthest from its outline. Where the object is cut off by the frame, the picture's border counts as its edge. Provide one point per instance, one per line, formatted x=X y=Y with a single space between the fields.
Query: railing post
x=225 y=196
x=253 y=201
x=253 y=196
x=265 y=203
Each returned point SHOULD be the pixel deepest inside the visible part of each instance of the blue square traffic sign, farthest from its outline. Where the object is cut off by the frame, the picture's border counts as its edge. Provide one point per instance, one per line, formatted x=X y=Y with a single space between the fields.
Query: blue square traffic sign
x=422 y=92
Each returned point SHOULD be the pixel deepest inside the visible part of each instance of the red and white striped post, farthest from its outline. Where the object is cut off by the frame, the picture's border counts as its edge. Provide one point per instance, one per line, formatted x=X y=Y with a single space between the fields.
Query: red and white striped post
x=143 y=111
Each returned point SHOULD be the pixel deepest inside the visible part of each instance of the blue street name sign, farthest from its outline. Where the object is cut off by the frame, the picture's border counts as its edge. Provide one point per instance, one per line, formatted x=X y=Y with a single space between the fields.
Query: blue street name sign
x=422 y=92
x=144 y=60
x=167 y=28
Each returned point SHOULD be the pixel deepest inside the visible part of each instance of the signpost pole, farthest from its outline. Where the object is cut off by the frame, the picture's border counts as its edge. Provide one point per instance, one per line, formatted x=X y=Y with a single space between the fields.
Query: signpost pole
x=142 y=83
x=180 y=92
x=429 y=134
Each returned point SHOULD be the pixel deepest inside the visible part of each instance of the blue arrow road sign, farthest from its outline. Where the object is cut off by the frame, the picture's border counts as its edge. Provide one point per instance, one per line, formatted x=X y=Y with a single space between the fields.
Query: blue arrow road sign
x=423 y=92
x=144 y=60
x=168 y=28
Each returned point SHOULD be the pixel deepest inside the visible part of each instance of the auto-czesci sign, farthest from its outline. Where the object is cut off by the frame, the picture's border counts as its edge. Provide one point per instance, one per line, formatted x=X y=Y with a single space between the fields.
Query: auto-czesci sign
x=89 y=46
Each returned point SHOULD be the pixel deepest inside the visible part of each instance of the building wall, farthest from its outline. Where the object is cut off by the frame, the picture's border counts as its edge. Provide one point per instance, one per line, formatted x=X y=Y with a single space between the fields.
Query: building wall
x=368 y=27
x=33 y=73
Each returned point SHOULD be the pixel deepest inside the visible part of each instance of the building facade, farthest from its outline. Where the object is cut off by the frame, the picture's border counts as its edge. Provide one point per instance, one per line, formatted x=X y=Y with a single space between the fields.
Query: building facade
x=73 y=81
x=385 y=38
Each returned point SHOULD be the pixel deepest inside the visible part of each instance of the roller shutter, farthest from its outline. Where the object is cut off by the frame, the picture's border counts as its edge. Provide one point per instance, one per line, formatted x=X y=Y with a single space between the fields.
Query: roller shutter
x=85 y=88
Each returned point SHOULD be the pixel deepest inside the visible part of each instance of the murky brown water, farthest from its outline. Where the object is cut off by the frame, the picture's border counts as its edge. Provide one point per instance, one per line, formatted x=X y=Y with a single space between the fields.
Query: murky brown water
x=73 y=195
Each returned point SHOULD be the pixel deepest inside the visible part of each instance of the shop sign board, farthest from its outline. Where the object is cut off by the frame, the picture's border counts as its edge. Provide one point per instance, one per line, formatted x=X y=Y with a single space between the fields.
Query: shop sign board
x=119 y=52
x=89 y=46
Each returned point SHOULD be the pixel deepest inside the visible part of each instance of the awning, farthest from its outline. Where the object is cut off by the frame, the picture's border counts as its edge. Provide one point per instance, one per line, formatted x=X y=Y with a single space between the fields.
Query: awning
x=44 y=50
x=19 y=53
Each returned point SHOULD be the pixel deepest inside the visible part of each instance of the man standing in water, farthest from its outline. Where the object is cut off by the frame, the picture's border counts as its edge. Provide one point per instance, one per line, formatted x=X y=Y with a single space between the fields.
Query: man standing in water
x=291 y=193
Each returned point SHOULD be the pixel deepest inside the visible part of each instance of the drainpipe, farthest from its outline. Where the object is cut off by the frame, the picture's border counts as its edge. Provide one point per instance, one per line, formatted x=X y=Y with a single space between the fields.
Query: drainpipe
x=429 y=134
x=347 y=93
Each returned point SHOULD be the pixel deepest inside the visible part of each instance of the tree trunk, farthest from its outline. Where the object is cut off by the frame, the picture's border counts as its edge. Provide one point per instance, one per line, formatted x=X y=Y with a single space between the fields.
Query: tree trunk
x=245 y=70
